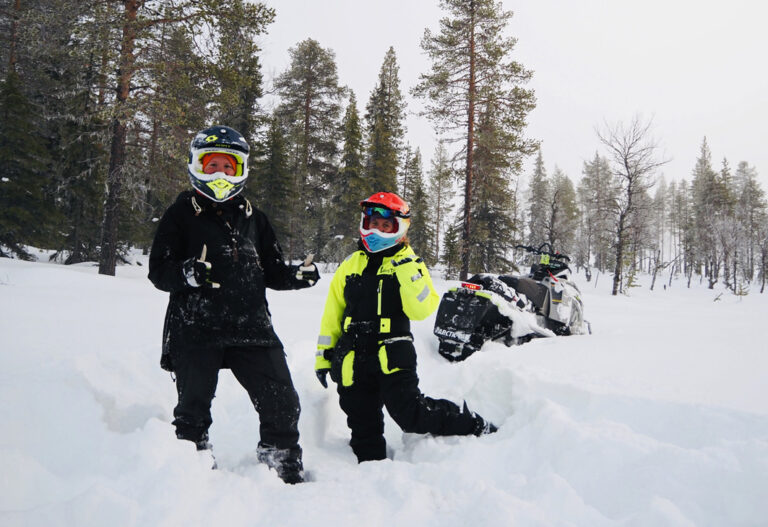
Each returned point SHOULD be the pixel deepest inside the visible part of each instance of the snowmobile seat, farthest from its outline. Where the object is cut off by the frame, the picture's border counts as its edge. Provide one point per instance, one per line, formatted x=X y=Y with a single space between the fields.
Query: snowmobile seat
x=535 y=292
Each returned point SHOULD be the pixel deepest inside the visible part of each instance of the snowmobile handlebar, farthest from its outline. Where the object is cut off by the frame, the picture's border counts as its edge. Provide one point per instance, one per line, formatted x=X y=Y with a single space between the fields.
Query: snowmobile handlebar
x=540 y=250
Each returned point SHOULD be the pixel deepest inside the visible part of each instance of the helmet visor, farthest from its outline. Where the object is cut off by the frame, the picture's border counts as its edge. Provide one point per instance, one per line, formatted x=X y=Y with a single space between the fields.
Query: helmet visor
x=380 y=211
x=198 y=162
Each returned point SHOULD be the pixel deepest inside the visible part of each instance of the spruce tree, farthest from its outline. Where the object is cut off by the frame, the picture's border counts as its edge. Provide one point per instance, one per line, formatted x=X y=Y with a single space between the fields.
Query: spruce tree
x=349 y=188
x=451 y=255
x=494 y=233
x=597 y=197
x=385 y=113
x=752 y=213
x=562 y=213
x=412 y=173
x=709 y=208
x=58 y=79
x=274 y=187
x=538 y=199
x=441 y=191
x=422 y=230
x=24 y=208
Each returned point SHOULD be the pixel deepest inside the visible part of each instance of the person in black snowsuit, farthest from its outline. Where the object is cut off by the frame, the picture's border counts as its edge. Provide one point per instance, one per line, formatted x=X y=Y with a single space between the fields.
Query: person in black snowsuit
x=365 y=342
x=216 y=254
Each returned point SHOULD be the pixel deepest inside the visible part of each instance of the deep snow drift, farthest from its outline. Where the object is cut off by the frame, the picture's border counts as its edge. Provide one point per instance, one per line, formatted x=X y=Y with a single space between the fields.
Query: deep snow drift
x=658 y=418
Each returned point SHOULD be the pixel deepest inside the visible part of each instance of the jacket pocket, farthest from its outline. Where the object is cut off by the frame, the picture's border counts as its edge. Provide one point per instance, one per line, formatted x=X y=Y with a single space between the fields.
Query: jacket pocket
x=397 y=354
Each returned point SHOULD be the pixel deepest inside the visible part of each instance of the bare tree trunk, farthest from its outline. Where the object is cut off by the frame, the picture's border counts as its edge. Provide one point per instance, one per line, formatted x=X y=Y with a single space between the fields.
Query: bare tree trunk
x=14 y=37
x=470 y=151
x=655 y=268
x=438 y=219
x=109 y=234
x=620 y=243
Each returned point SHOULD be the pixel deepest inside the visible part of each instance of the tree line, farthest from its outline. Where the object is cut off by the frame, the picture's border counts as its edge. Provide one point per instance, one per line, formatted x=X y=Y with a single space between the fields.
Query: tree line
x=100 y=98
x=622 y=219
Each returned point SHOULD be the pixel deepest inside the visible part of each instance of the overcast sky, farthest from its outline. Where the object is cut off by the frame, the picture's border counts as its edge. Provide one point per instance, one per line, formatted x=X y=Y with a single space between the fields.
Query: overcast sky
x=696 y=67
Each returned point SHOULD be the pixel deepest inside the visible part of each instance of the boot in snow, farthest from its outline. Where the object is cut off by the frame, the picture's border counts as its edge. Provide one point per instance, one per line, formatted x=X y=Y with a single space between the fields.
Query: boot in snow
x=481 y=426
x=285 y=461
x=205 y=449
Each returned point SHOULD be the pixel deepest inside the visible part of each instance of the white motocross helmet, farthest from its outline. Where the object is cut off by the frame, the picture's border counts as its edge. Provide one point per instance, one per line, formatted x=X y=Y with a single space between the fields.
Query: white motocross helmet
x=218 y=140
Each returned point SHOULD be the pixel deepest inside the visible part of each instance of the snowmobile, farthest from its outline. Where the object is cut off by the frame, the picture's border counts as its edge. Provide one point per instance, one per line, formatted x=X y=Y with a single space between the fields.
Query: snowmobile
x=511 y=309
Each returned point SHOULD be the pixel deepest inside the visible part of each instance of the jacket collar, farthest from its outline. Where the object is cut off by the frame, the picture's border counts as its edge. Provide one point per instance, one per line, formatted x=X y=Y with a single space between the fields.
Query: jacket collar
x=201 y=203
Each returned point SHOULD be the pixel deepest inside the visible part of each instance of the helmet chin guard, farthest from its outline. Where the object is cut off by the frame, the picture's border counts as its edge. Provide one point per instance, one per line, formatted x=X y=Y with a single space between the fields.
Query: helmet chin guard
x=375 y=240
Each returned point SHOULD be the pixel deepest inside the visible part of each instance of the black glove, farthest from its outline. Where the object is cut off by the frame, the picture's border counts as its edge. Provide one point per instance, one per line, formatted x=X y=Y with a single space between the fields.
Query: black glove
x=197 y=271
x=322 y=373
x=307 y=272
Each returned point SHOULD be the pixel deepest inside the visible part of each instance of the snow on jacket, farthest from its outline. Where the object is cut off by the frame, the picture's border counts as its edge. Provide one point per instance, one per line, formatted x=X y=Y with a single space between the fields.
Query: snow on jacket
x=246 y=259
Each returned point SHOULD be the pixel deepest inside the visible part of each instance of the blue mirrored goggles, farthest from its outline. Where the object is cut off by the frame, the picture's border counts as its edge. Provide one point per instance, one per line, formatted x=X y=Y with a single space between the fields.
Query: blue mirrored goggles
x=381 y=211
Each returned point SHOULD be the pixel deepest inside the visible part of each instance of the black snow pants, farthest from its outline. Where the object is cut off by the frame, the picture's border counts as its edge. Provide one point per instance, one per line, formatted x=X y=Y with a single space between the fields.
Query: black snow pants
x=399 y=392
x=264 y=374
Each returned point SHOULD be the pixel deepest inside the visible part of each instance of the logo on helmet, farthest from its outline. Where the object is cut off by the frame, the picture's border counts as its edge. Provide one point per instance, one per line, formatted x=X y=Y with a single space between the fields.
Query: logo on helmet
x=221 y=188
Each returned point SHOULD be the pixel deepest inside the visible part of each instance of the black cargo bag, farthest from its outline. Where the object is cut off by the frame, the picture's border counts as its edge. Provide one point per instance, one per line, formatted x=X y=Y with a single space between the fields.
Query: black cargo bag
x=463 y=323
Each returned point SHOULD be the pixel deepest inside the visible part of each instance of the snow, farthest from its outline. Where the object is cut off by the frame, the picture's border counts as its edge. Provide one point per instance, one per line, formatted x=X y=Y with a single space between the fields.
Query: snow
x=660 y=417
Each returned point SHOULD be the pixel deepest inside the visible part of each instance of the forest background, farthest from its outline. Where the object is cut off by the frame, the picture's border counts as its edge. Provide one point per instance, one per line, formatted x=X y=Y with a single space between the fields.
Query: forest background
x=99 y=100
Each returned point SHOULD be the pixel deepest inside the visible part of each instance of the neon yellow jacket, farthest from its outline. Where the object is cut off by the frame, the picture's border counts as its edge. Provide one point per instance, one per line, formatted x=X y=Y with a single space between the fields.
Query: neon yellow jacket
x=404 y=272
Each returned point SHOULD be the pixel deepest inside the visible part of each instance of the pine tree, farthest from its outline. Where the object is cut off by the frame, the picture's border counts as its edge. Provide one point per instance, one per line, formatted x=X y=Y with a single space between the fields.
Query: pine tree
x=472 y=74
x=180 y=103
x=137 y=25
x=311 y=108
x=384 y=118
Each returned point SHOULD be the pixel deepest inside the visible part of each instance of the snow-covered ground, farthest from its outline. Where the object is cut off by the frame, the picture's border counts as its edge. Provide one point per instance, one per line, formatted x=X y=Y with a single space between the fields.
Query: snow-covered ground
x=659 y=418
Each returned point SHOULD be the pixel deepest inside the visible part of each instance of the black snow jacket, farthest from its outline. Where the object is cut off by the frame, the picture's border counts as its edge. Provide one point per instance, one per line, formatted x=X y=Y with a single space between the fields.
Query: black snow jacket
x=245 y=258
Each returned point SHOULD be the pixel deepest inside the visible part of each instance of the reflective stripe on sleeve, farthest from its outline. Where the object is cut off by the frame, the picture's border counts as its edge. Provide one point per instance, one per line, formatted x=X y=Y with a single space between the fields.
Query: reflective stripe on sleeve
x=424 y=294
x=323 y=340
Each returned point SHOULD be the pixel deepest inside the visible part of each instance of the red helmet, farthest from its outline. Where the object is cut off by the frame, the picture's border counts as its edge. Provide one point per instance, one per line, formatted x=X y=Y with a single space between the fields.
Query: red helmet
x=389 y=200
x=386 y=205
